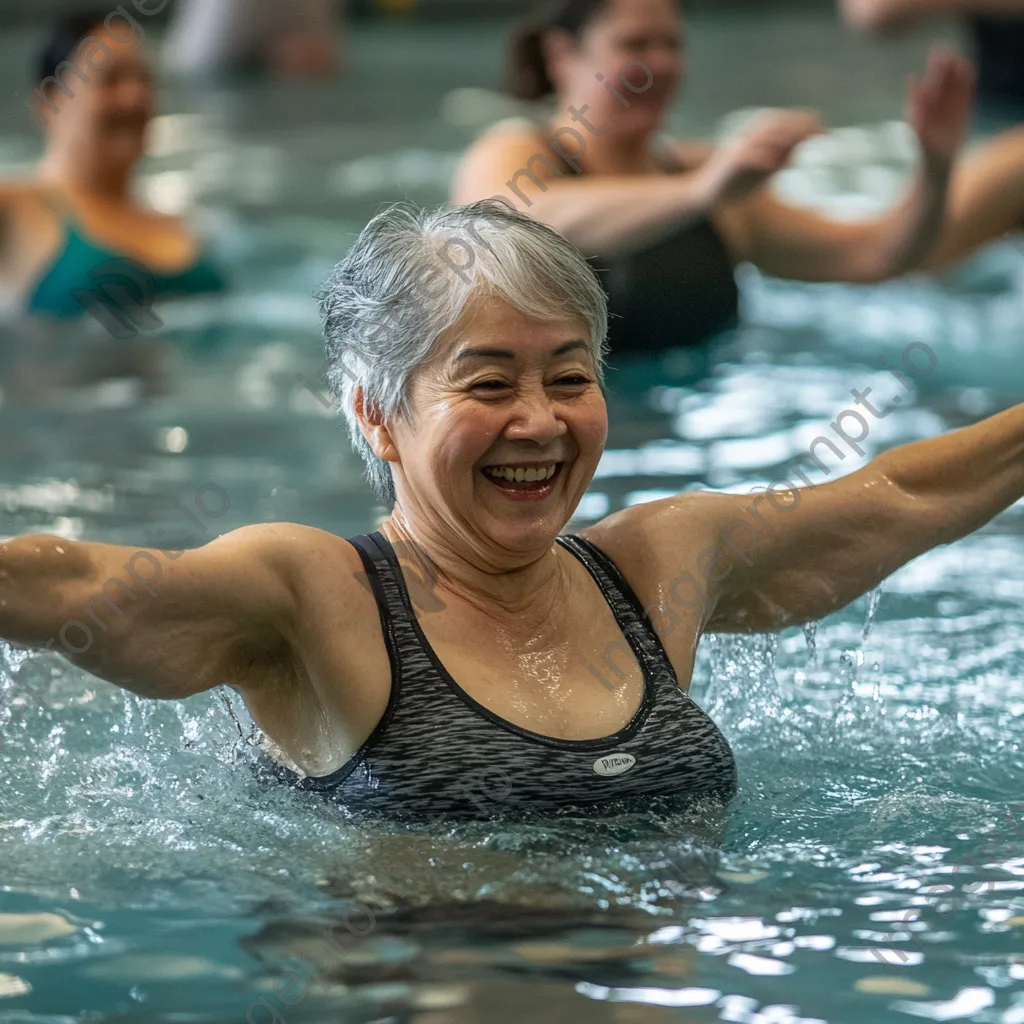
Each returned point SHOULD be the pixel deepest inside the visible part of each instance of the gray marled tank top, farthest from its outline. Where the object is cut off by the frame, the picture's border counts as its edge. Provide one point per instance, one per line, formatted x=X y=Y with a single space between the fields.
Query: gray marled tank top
x=438 y=753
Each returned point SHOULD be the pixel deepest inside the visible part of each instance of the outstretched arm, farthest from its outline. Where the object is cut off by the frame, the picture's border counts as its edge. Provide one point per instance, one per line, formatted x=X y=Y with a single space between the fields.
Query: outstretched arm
x=887 y=14
x=796 y=555
x=613 y=213
x=801 y=244
x=161 y=624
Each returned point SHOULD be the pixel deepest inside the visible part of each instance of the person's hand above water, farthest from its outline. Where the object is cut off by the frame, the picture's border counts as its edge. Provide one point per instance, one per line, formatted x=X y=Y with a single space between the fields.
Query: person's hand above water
x=939 y=105
x=741 y=165
x=790 y=241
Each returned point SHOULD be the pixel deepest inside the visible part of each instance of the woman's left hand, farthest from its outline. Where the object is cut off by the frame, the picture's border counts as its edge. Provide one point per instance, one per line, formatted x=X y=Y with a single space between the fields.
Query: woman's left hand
x=939 y=105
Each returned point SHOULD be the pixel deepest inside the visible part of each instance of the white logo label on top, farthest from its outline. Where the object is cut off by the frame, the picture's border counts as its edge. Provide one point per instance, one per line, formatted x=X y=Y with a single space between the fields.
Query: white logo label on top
x=614 y=764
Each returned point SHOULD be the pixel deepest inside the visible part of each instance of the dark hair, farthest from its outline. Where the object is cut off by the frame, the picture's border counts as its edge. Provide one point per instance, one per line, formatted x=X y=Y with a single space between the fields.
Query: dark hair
x=65 y=36
x=527 y=69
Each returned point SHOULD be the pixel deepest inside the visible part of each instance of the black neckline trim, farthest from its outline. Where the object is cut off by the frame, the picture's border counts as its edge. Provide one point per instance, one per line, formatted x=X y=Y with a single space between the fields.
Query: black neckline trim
x=599 y=744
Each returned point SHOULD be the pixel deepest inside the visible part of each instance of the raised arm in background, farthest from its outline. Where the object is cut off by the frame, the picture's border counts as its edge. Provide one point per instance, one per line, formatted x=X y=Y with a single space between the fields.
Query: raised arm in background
x=607 y=214
x=613 y=213
x=800 y=244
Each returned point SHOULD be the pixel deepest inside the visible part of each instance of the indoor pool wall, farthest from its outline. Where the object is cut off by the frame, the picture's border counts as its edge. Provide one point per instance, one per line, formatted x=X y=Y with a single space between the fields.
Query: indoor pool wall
x=872 y=867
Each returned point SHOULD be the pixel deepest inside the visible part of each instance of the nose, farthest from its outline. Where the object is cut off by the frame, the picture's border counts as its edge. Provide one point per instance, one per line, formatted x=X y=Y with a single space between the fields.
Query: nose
x=535 y=418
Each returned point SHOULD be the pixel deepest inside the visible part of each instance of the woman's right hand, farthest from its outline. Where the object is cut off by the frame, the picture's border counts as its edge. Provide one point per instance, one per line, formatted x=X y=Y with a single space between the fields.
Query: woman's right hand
x=742 y=165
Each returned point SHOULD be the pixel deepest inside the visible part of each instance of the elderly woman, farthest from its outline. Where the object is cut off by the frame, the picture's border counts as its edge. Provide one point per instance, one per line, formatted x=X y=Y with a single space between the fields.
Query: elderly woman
x=469 y=658
x=667 y=221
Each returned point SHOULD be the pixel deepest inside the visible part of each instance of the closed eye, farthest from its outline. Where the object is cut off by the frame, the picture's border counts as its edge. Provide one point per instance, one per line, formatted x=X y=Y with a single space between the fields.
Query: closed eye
x=570 y=380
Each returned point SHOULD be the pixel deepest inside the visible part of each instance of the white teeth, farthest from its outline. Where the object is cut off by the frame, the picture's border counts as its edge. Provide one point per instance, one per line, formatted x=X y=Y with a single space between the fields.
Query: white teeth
x=519 y=476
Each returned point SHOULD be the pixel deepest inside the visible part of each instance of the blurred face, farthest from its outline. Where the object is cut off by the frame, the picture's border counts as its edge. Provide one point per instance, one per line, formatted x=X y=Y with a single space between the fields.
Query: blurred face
x=507 y=427
x=106 y=103
x=637 y=48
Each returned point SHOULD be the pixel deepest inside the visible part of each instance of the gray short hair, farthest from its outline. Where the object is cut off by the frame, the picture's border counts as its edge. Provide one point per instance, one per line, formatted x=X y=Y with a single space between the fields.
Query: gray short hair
x=399 y=289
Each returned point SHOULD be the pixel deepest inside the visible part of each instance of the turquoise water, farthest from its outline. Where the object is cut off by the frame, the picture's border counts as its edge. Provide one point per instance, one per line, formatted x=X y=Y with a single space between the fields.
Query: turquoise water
x=872 y=867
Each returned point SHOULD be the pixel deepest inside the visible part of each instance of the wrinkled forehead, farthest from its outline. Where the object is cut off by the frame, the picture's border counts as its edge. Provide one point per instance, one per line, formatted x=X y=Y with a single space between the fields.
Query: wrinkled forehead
x=494 y=326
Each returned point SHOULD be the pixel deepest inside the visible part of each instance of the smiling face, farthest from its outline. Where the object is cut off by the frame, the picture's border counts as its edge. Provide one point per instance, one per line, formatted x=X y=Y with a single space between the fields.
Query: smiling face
x=626 y=37
x=506 y=427
x=106 y=116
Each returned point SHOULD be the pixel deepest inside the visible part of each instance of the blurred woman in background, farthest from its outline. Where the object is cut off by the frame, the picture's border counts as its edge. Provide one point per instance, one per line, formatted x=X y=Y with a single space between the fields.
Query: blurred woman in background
x=76 y=223
x=667 y=221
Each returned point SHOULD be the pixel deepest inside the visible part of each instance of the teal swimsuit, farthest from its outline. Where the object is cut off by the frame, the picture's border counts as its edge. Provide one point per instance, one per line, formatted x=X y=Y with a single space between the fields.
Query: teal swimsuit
x=82 y=268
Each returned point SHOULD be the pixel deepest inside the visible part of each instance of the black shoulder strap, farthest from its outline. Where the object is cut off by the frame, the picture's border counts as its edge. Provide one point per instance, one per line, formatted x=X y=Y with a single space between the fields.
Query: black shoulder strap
x=384 y=575
x=625 y=605
x=384 y=582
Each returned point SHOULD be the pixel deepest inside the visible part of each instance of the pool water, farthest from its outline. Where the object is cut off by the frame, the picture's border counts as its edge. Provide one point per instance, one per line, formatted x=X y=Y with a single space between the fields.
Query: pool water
x=871 y=868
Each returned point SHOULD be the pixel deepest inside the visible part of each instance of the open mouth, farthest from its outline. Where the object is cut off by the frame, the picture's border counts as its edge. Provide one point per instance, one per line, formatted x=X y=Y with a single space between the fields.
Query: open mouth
x=524 y=481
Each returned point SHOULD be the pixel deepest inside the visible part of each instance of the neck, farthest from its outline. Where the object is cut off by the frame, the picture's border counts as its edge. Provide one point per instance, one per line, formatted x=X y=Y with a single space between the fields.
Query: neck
x=462 y=568
x=82 y=174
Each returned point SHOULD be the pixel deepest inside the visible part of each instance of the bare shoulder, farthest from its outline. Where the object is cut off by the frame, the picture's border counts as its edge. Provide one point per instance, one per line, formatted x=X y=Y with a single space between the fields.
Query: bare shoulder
x=653 y=542
x=280 y=575
x=512 y=131
x=297 y=553
x=494 y=156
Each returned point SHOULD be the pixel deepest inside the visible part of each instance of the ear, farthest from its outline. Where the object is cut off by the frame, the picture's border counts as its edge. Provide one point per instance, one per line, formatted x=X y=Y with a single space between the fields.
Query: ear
x=558 y=47
x=373 y=428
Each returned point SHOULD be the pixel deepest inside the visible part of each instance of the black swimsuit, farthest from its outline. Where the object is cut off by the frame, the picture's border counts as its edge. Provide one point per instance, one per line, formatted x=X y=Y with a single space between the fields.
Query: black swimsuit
x=679 y=291
x=999 y=40
x=438 y=753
